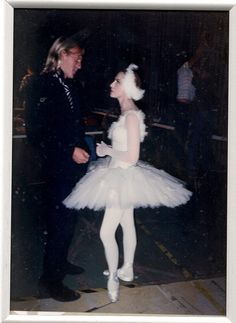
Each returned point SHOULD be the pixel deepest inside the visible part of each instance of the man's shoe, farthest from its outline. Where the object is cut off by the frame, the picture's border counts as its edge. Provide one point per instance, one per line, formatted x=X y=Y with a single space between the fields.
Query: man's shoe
x=73 y=269
x=57 y=291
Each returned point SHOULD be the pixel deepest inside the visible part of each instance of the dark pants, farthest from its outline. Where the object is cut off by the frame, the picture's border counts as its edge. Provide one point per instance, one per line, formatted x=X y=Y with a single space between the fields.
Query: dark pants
x=59 y=221
x=182 y=122
x=199 y=143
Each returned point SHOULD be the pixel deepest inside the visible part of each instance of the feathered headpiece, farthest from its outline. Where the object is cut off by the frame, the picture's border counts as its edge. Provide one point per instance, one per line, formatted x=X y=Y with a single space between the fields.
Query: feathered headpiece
x=131 y=89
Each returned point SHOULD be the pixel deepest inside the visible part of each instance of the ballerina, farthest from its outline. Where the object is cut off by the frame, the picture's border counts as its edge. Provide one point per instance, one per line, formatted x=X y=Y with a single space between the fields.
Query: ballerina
x=120 y=182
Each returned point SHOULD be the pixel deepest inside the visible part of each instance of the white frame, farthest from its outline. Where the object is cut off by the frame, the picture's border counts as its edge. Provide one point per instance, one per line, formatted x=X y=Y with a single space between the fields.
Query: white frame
x=6 y=61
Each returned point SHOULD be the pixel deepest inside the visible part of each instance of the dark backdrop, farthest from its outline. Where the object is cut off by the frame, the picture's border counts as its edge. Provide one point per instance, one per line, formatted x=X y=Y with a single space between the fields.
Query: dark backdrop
x=158 y=41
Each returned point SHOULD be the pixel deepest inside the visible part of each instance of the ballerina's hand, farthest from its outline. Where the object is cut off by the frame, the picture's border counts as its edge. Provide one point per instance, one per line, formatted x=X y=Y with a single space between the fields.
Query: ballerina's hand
x=103 y=149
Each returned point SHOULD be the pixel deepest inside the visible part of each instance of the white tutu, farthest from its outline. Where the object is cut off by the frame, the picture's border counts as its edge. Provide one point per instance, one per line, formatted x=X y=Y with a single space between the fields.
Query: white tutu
x=136 y=186
x=115 y=183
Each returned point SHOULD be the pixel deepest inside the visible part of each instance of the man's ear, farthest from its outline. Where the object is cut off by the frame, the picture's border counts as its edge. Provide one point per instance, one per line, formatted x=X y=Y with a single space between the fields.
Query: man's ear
x=63 y=54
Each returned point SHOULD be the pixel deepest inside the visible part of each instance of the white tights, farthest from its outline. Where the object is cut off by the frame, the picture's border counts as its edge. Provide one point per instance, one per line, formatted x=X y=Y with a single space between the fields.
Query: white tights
x=112 y=218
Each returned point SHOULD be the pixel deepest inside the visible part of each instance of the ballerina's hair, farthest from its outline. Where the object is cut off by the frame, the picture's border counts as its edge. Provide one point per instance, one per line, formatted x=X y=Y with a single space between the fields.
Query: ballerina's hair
x=131 y=83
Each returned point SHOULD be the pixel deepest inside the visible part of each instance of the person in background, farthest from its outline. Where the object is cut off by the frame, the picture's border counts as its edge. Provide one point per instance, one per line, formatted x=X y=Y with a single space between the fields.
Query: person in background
x=119 y=183
x=185 y=98
x=53 y=103
x=199 y=147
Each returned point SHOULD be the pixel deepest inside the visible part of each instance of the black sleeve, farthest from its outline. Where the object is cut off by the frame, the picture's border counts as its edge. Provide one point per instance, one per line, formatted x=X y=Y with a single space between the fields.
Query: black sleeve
x=34 y=112
x=51 y=124
x=78 y=122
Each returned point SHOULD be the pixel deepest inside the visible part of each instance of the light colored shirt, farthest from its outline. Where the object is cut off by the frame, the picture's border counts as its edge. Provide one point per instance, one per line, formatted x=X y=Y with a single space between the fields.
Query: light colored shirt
x=186 y=90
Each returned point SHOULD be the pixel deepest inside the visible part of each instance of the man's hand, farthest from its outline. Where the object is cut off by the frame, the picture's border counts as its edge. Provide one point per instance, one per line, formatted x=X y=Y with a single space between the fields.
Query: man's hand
x=80 y=156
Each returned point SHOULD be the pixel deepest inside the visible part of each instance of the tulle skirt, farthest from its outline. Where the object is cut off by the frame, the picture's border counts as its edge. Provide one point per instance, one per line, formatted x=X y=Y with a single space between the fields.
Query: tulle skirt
x=141 y=185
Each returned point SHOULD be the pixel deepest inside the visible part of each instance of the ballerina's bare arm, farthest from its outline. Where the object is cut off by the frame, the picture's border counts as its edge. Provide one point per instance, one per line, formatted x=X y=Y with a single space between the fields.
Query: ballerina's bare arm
x=131 y=155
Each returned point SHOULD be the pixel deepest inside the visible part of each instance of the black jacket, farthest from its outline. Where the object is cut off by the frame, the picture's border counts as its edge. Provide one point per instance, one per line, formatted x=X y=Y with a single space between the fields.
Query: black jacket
x=52 y=125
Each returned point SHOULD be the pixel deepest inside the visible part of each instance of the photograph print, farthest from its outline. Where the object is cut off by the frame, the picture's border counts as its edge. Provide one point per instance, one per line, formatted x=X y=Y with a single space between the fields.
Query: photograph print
x=119 y=161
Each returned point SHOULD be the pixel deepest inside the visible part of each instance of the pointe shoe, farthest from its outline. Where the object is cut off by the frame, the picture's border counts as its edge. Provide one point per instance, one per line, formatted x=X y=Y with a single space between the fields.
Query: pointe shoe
x=106 y=272
x=125 y=273
x=113 y=288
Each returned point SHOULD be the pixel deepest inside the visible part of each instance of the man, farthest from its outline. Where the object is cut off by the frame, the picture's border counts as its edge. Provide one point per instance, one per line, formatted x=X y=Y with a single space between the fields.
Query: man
x=53 y=105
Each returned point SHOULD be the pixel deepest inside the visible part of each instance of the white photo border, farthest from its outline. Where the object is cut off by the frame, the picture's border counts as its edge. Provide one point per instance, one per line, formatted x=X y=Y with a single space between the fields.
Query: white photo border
x=6 y=60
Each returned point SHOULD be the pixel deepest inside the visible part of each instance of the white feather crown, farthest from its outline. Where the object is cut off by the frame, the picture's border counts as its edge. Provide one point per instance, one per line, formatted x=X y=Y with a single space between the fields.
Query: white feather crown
x=129 y=84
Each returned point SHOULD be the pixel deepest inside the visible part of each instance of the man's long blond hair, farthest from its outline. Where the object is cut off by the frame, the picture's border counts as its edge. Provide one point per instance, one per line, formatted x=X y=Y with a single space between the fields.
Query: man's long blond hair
x=59 y=45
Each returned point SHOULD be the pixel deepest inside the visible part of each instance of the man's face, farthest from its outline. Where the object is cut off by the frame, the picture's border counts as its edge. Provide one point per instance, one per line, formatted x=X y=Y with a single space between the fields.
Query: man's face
x=71 y=61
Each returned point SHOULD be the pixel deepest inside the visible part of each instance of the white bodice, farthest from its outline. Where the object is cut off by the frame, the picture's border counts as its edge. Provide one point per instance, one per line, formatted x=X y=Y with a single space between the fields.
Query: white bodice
x=118 y=135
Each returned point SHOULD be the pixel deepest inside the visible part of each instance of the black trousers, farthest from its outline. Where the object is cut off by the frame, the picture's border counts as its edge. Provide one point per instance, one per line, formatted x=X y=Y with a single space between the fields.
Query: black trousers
x=183 y=119
x=200 y=156
x=60 y=222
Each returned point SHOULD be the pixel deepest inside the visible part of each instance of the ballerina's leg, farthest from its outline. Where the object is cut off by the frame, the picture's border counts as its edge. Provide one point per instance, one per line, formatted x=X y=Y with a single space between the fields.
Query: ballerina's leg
x=129 y=245
x=109 y=226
